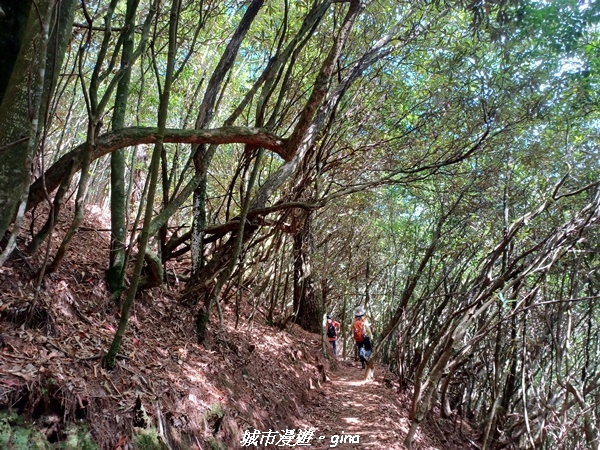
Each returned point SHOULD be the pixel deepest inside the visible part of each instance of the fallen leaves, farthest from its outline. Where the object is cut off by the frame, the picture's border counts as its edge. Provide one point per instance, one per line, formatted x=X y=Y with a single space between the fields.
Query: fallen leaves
x=259 y=377
x=27 y=372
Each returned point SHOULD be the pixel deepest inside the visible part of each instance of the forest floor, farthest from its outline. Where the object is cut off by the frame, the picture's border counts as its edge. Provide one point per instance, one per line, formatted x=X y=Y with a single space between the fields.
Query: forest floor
x=248 y=378
x=358 y=414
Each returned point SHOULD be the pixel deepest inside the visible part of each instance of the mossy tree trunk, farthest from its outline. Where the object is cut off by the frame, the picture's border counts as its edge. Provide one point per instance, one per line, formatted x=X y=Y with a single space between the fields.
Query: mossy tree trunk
x=110 y=359
x=13 y=24
x=117 y=161
x=97 y=100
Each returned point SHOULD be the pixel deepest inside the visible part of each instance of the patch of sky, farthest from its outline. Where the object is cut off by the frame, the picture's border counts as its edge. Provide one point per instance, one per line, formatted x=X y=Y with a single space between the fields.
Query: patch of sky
x=234 y=8
x=570 y=66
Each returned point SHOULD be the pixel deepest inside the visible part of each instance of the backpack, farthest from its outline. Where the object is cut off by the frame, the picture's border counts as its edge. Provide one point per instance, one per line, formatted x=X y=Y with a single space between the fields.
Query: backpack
x=331 y=331
x=359 y=330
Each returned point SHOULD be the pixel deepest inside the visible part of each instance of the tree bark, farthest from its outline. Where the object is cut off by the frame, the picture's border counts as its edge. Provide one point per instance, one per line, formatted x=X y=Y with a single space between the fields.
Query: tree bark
x=131 y=136
x=306 y=305
x=110 y=360
x=13 y=26
x=20 y=109
x=117 y=161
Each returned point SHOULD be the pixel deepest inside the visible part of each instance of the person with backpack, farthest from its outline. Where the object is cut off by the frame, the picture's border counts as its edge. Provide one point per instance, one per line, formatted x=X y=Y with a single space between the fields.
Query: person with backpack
x=362 y=335
x=332 y=329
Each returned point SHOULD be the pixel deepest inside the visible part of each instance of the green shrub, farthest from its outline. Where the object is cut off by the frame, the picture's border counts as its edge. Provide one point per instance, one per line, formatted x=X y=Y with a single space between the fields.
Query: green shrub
x=148 y=439
x=78 y=438
x=17 y=435
x=5 y=428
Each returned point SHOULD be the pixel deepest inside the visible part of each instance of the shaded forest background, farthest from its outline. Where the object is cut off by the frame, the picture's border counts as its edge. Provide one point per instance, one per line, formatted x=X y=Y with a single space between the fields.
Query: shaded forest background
x=435 y=162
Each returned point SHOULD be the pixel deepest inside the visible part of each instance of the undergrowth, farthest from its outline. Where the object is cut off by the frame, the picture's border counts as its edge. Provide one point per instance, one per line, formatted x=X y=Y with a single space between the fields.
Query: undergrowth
x=18 y=434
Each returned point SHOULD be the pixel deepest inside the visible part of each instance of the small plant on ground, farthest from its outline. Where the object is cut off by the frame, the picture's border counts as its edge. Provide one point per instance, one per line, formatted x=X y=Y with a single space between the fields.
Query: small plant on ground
x=17 y=435
x=216 y=444
x=78 y=438
x=214 y=412
x=148 y=439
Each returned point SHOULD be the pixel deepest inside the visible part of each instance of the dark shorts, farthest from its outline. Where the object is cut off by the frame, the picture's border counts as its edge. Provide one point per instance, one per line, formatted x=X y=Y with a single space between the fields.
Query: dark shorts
x=364 y=349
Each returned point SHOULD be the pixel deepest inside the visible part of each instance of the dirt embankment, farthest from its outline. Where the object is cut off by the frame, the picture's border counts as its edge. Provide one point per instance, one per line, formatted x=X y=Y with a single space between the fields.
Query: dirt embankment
x=244 y=380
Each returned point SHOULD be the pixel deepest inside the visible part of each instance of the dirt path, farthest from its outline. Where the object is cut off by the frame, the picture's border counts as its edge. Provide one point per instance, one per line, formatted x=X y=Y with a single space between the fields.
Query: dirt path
x=353 y=414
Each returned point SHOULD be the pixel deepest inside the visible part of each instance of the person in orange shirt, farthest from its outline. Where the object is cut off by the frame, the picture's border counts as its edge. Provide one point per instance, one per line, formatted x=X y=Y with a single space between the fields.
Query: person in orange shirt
x=362 y=335
x=332 y=329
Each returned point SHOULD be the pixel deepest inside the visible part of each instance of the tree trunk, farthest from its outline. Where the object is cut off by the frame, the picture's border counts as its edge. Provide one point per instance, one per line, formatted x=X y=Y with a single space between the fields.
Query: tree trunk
x=306 y=305
x=24 y=97
x=110 y=360
x=114 y=276
x=202 y=154
x=204 y=314
x=12 y=37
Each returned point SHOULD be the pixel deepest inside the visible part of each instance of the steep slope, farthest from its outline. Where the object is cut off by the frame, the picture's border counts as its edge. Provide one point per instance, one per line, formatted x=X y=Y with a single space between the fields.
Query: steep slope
x=242 y=383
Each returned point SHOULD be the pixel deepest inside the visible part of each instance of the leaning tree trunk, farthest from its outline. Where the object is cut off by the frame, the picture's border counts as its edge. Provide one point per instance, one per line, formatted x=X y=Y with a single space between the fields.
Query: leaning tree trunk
x=13 y=23
x=306 y=305
x=204 y=313
x=298 y=146
x=203 y=154
x=17 y=127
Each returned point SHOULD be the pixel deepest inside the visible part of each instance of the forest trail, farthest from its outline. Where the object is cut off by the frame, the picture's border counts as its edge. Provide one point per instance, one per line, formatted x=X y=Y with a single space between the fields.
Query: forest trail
x=374 y=415
x=351 y=407
x=242 y=379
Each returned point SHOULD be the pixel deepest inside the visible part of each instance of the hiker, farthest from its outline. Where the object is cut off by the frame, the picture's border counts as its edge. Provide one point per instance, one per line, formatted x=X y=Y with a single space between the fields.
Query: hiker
x=332 y=329
x=362 y=335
